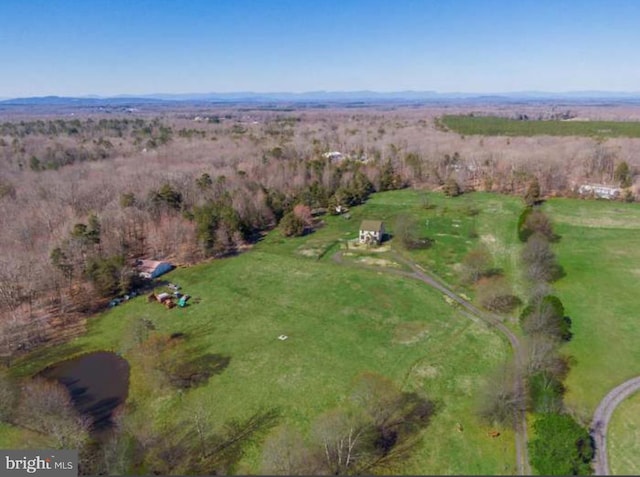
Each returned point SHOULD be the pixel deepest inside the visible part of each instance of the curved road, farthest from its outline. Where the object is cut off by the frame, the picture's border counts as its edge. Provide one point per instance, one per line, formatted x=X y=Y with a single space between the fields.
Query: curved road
x=601 y=419
x=494 y=321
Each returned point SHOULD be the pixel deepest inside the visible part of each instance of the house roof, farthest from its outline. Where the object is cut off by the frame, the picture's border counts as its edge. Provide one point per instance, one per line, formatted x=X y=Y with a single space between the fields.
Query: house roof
x=371 y=225
x=149 y=265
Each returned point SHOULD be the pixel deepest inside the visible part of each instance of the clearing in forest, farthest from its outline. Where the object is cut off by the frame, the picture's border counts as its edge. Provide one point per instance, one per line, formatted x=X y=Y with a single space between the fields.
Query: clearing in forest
x=341 y=321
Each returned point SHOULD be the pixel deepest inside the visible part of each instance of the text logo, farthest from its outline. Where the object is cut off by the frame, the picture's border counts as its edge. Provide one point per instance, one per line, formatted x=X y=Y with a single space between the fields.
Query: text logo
x=45 y=463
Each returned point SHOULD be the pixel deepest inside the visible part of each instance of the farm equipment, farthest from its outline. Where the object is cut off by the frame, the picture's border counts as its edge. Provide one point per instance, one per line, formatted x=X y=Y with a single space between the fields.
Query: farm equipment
x=163 y=298
x=182 y=302
x=169 y=300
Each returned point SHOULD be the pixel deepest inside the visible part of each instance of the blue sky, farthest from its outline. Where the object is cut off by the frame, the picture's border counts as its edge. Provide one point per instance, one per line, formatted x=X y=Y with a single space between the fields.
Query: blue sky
x=108 y=47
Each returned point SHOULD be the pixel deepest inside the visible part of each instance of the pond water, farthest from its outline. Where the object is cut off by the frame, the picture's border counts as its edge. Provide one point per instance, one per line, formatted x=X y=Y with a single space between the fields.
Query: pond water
x=98 y=383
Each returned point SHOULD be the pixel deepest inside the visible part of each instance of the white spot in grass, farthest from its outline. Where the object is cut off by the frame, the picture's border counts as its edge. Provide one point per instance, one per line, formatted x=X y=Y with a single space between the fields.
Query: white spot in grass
x=427 y=371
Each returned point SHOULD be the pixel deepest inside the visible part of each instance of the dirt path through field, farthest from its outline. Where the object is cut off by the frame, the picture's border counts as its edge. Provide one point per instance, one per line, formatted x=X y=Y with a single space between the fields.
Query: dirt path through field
x=494 y=322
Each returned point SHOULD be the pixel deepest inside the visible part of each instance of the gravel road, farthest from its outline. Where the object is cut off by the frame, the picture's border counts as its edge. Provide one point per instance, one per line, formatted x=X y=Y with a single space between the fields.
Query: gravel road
x=601 y=419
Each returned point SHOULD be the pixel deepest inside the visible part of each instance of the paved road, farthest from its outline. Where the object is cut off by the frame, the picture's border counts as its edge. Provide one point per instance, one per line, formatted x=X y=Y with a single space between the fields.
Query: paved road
x=495 y=322
x=601 y=419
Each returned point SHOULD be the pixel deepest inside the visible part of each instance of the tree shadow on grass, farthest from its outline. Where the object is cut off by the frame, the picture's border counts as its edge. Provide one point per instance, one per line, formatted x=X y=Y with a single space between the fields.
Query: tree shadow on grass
x=555 y=238
x=184 y=449
x=558 y=273
x=198 y=368
x=567 y=335
x=493 y=272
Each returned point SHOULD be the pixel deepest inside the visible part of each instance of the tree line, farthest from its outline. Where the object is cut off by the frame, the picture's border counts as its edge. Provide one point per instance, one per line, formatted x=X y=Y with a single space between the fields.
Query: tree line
x=561 y=446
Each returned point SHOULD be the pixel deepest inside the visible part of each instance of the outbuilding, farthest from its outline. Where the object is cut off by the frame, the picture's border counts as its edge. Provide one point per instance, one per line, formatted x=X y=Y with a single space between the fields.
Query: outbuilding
x=152 y=268
x=600 y=191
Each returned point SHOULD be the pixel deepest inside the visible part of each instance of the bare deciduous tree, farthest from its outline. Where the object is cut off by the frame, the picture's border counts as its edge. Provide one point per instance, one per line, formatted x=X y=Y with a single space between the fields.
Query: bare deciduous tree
x=543 y=356
x=496 y=294
x=502 y=398
x=475 y=264
x=46 y=407
x=284 y=453
x=8 y=395
x=340 y=441
x=540 y=264
x=545 y=317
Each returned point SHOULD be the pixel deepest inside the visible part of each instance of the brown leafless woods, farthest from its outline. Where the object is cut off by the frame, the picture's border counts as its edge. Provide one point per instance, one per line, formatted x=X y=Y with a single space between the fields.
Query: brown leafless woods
x=82 y=197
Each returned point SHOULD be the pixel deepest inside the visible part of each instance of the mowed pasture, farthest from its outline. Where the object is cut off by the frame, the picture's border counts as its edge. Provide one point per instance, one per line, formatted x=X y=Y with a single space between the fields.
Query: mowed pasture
x=600 y=252
x=453 y=225
x=497 y=126
x=341 y=321
x=624 y=438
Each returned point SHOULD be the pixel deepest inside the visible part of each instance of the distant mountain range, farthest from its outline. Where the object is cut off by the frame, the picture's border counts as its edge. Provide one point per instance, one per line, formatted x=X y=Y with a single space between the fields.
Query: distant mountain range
x=323 y=97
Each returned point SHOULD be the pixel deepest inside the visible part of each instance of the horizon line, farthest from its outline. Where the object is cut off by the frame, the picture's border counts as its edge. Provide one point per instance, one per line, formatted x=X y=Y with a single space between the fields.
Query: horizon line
x=344 y=93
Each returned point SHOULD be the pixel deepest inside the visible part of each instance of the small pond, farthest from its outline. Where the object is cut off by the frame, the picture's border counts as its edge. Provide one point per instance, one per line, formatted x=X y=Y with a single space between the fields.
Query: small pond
x=98 y=383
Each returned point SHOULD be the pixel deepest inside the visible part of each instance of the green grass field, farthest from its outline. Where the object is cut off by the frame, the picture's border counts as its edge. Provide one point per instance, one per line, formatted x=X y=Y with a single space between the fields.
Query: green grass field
x=600 y=251
x=13 y=437
x=496 y=126
x=341 y=321
x=624 y=438
x=456 y=225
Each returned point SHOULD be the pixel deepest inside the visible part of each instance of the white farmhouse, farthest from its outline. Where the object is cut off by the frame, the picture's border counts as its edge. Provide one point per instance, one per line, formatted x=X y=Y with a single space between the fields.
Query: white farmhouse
x=371 y=231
